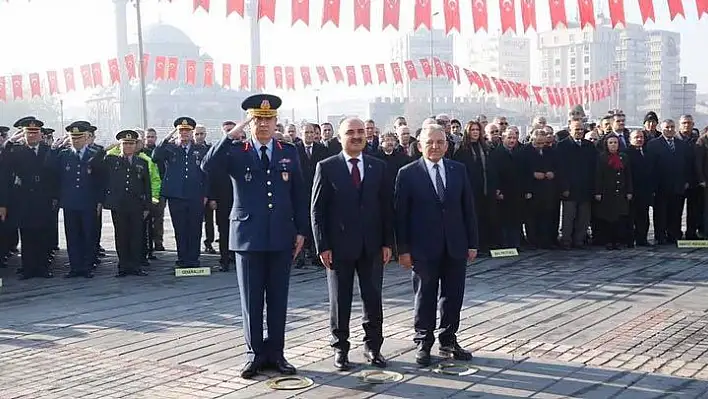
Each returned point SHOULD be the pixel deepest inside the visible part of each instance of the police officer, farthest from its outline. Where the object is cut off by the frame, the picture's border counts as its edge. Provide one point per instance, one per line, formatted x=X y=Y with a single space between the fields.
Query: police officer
x=26 y=197
x=128 y=198
x=80 y=195
x=185 y=188
x=268 y=226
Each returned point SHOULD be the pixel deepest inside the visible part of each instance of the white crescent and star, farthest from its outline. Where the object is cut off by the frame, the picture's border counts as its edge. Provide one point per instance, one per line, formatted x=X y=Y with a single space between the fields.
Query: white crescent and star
x=452 y=4
x=479 y=4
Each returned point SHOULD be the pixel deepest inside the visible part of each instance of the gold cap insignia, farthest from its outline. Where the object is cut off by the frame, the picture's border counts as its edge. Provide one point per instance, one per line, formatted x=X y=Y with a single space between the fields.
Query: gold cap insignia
x=184 y=122
x=265 y=104
x=75 y=130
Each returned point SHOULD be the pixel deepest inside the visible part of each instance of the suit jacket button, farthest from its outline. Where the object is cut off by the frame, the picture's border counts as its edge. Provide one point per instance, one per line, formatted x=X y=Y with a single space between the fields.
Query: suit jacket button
x=270 y=206
x=268 y=183
x=270 y=194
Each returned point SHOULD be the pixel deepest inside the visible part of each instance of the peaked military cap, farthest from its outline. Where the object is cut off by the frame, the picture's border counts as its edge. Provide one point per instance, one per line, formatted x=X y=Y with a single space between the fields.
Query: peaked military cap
x=226 y=123
x=31 y=125
x=127 y=135
x=651 y=116
x=47 y=131
x=185 y=122
x=262 y=105
x=20 y=122
x=4 y=129
x=92 y=129
x=78 y=128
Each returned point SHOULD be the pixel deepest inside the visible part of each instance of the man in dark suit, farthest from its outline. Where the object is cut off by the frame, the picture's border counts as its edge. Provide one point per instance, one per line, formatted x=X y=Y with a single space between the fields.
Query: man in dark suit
x=436 y=234
x=310 y=152
x=643 y=186
x=352 y=224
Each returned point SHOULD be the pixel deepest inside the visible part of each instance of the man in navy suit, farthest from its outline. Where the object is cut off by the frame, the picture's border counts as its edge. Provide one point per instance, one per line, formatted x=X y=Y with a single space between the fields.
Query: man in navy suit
x=268 y=226
x=436 y=234
x=352 y=224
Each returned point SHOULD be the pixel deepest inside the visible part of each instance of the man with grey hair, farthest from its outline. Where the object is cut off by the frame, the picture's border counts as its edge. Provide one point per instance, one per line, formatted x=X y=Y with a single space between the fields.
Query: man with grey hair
x=436 y=230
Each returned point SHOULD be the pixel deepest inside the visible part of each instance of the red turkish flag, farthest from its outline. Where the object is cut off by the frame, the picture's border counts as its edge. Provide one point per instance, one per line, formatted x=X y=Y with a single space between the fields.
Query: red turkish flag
x=146 y=63
x=646 y=8
x=266 y=9
x=330 y=13
x=587 y=93
x=473 y=78
x=366 y=75
x=528 y=14
x=69 y=79
x=226 y=75
x=305 y=75
x=362 y=14
x=587 y=13
x=301 y=11
x=17 y=87
x=208 y=73
x=480 y=16
x=191 y=75
x=537 y=94
x=412 y=72
x=508 y=89
x=351 y=75
x=497 y=85
x=322 y=74
x=451 y=9
x=381 y=71
x=172 y=68
x=97 y=74
x=676 y=9
x=439 y=71
x=617 y=12
x=53 y=82
x=113 y=70
x=508 y=15
x=289 y=78
x=201 y=3
x=130 y=66
x=425 y=66
x=160 y=67
x=396 y=69
x=423 y=14
x=260 y=77
x=35 y=87
x=236 y=6
x=558 y=16
x=278 y=75
x=487 y=83
x=3 y=89
x=86 y=75
x=551 y=97
x=391 y=13
x=338 y=75
x=457 y=73
x=243 y=76
x=449 y=71
x=593 y=92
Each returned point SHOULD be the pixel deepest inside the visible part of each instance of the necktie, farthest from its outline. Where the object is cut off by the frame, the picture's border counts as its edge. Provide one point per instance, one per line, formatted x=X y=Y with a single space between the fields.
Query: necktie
x=264 y=157
x=309 y=151
x=672 y=146
x=356 y=176
x=439 y=184
x=580 y=143
x=641 y=151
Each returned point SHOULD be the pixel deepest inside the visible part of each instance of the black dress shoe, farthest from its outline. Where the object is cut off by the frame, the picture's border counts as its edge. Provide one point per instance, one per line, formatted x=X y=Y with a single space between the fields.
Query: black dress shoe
x=249 y=370
x=283 y=367
x=209 y=249
x=341 y=361
x=151 y=256
x=159 y=248
x=88 y=274
x=375 y=358
x=121 y=273
x=223 y=268
x=422 y=357
x=456 y=352
x=48 y=274
x=140 y=272
x=72 y=274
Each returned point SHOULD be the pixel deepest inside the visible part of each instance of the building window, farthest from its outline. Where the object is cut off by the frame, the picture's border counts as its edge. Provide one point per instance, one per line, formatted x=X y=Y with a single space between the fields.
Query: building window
x=586 y=48
x=572 y=61
x=558 y=73
x=586 y=71
x=586 y=59
x=572 y=73
x=557 y=62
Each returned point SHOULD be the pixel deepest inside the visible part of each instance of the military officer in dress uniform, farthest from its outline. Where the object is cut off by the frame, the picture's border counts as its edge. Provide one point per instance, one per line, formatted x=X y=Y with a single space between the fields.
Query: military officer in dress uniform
x=185 y=188
x=128 y=198
x=91 y=142
x=4 y=230
x=268 y=226
x=26 y=197
x=48 y=139
x=80 y=195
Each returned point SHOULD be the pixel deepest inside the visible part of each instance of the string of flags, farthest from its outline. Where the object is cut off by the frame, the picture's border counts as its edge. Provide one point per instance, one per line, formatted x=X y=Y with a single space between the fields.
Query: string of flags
x=289 y=78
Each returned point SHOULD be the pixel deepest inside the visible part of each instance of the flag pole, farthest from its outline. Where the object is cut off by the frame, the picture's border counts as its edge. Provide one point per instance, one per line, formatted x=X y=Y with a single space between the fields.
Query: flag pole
x=143 y=97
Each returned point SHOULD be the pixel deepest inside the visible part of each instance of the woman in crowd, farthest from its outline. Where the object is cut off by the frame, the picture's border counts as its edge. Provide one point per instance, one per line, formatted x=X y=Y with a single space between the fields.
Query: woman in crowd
x=613 y=191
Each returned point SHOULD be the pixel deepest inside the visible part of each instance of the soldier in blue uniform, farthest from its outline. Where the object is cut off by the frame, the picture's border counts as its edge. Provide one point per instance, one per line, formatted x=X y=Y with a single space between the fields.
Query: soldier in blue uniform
x=80 y=195
x=268 y=226
x=26 y=197
x=185 y=188
x=100 y=252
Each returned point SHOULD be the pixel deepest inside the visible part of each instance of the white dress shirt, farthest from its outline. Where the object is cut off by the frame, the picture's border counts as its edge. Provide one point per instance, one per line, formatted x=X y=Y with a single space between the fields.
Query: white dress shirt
x=432 y=172
x=359 y=165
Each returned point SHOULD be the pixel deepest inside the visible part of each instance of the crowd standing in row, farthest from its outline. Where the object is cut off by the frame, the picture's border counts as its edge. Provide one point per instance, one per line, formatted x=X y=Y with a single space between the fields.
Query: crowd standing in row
x=353 y=199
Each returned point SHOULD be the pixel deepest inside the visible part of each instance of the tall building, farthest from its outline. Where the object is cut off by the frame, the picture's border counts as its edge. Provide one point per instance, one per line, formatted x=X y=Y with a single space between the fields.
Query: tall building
x=418 y=45
x=506 y=57
x=631 y=65
x=663 y=71
x=683 y=98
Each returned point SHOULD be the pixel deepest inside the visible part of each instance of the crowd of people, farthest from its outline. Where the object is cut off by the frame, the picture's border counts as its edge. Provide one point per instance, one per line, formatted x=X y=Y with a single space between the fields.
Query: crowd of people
x=351 y=199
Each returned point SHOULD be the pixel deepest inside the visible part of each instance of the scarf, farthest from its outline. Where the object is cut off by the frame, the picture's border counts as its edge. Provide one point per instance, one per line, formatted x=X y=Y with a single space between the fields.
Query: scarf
x=615 y=161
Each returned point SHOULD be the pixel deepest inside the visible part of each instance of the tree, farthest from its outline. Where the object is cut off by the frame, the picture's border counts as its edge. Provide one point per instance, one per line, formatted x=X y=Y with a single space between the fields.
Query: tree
x=46 y=109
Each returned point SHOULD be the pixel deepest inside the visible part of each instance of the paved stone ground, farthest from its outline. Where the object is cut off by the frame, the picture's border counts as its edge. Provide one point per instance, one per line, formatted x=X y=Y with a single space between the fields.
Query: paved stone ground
x=582 y=324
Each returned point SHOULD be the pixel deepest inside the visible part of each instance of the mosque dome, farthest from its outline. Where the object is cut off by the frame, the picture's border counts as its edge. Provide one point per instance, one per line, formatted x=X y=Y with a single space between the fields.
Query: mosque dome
x=166 y=34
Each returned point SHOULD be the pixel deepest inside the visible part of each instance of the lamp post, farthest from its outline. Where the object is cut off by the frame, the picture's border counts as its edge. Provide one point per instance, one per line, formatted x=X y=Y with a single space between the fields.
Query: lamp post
x=432 y=54
x=143 y=97
x=317 y=105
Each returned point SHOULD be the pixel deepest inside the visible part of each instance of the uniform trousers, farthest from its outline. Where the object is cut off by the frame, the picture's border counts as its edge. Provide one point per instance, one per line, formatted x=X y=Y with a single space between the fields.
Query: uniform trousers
x=80 y=230
x=128 y=227
x=187 y=216
x=446 y=275
x=54 y=230
x=157 y=219
x=208 y=224
x=5 y=231
x=35 y=251
x=224 y=224
x=264 y=274
x=340 y=281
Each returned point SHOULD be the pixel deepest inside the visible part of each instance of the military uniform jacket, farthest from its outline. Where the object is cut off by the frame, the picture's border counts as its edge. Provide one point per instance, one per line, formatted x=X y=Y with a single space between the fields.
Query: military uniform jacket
x=127 y=184
x=80 y=181
x=183 y=177
x=269 y=206
x=26 y=185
